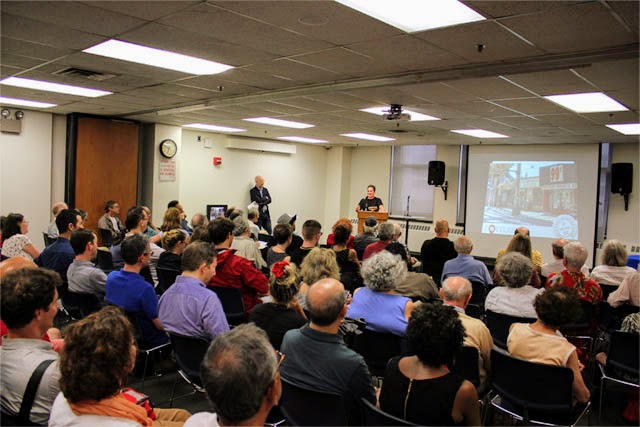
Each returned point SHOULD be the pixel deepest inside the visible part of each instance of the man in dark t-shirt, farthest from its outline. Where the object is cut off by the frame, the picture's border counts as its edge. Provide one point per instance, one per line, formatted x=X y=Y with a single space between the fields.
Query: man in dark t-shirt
x=370 y=203
x=435 y=252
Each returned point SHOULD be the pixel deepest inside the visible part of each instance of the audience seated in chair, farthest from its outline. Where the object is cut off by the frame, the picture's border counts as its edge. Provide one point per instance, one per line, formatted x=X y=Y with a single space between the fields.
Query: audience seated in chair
x=415 y=284
x=557 y=249
x=319 y=264
x=515 y=296
x=29 y=304
x=385 y=236
x=59 y=256
x=15 y=242
x=465 y=265
x=435 y=252
x=420 y=388
x=126 y=288
x=232 y=270
x=628 y=292
x=174 y=243
x=188 y=308
x=52 y=229
x=83 y=276
x=311 y=233
x=520 y=243
x=316 y=357
x=282 y=235
x=575 y=254
x=109 y=224
x=378 y=303
x=368 y=236
x=240 y=374
x=347 y=258
x=284 y=312
x=614 y=267
x=244 y=245
x=99 y=355
x=456 y=291
x=536 y=256
x=542 y=343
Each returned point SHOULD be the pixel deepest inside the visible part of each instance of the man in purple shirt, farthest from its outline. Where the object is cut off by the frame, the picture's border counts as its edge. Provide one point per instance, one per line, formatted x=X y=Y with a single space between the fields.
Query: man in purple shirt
x=188 y=308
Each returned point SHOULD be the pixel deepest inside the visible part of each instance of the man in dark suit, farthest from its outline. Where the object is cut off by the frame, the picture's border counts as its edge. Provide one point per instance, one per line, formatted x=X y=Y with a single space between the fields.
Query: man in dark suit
x=261 y=196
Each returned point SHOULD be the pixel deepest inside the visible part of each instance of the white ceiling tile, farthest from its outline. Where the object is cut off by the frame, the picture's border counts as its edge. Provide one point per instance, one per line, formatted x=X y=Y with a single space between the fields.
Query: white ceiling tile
x=531 y=106
x=53 y=35
x=488 y=88
x=296 y=71
x=32 y=50
x=147 y=10
x=552 y=82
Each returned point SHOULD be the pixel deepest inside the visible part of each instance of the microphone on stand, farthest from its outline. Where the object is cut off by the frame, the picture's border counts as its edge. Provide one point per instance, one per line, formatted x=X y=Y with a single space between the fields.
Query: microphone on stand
x=408 y=198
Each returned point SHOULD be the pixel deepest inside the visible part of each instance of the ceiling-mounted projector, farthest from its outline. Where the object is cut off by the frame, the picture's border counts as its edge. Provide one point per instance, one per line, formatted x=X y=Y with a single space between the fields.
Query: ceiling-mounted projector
x=395 y=113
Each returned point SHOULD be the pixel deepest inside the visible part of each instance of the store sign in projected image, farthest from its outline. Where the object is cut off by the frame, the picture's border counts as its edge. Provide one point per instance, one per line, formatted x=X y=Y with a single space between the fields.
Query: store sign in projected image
x=539 y=195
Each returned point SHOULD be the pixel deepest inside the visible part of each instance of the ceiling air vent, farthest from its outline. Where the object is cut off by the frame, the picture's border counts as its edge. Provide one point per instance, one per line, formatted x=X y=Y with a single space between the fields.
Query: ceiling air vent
x=84 y=74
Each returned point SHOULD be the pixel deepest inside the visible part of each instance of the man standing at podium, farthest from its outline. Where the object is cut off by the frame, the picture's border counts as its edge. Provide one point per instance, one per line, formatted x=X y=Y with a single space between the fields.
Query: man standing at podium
x=260 y=195
x=371 y=203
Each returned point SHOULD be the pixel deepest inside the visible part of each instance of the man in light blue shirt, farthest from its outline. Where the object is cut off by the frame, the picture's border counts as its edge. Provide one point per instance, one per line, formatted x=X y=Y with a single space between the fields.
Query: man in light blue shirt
x=465 y=265
x=188 y=308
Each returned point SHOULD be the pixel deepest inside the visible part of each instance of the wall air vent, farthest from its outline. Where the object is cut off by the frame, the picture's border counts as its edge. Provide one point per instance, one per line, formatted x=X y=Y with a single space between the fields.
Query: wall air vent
x=84 y=74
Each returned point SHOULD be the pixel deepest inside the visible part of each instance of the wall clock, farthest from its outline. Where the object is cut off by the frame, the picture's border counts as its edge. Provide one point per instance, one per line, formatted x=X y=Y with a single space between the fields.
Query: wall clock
x=168 y=148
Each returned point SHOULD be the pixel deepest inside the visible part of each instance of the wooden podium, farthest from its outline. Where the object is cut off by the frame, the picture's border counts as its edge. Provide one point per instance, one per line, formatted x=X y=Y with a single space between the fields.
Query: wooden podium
x=363 y=215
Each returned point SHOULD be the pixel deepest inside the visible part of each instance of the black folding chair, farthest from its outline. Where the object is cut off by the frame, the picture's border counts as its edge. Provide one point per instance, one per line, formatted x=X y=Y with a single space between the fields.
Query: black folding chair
x=48 y=240
x=372 y=416
x=81 y=305
x=232 y=304
x=166 y=278
x=534 y=392
x=623 y=363
x=189 y=353
x=377 y=348
x=499 y=324
x=466 y=364
x=104 y=260
x=303 y=407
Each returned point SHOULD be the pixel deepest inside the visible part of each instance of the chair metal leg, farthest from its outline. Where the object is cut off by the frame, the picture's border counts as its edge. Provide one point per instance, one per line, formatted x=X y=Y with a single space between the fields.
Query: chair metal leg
x=144 y=372
x=173 y=391
x=601 y=395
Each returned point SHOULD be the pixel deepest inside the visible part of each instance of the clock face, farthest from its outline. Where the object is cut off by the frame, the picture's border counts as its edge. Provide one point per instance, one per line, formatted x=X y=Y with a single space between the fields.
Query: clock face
x=168 y=148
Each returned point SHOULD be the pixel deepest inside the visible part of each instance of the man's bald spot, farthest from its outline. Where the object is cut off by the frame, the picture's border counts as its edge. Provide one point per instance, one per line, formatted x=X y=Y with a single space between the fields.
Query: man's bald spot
x=58 y=207
x=442 y=225
x=15 y=263
x=324 y=289
x=456 y=288
x=522 y=230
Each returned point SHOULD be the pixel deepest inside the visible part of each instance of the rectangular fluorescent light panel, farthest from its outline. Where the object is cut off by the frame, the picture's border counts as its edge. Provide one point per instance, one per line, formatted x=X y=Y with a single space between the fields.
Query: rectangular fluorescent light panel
x=367 y=137
x=278 y=122
x=213 y=128
x=415 y=117
x=302 y=139
x=416 y=15
x=480 y=133
x=24 y=103
x=157 y=58
x=593 y=102
x=627 y=128
x=53 y=87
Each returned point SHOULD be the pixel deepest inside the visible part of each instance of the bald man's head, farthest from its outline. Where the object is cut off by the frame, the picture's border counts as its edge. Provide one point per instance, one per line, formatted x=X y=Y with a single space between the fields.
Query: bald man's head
x=325 y=301
x=557 y=247
x=442 y=228
x=522 y=230
x=15 y=263
x=456 y=291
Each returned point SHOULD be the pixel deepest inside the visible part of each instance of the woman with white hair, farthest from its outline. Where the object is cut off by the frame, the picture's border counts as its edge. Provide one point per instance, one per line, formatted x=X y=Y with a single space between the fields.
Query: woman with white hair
x=378 y=303
x=244 y=245
x=516 y=297
x=614 y=267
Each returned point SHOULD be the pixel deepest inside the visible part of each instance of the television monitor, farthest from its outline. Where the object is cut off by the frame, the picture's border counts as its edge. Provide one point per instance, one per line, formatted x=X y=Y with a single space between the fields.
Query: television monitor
x=216 y=211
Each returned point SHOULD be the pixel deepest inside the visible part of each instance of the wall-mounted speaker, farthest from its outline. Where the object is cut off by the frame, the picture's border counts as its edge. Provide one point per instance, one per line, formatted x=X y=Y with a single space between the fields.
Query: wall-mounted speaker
x=436 y=172
x=621 y=178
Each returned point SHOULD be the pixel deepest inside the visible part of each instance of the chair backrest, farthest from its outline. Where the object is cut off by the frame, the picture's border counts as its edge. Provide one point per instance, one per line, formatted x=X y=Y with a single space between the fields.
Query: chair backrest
x=466 y=364
x=606 y=290
x=479 y=293
x=47 y=240
x=372 y=416
x=232 y=304
x=104 y=260
x=303 y=407
x=499 y=324
x=539 y=389
x=189 y=353
x=166 y=278
x=377 y=348
x=584 y=323
x=624 y=353
x=84 y=303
